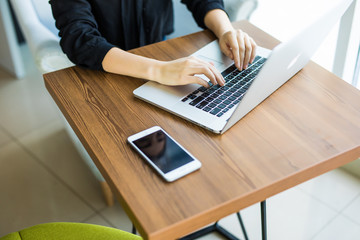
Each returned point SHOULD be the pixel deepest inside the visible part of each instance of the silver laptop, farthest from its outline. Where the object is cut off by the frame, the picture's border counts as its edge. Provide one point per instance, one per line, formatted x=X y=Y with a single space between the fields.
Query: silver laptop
x=219 y=108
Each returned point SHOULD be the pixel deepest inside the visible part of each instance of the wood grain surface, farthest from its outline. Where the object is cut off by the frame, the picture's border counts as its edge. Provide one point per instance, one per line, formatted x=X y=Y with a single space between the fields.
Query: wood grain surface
x=309 y=126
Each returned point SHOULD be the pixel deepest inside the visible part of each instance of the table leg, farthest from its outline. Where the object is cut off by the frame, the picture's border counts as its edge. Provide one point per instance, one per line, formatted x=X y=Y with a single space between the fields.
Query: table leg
x=133 y=231
x=217 y=228
x=263 y=220
x=242 y=226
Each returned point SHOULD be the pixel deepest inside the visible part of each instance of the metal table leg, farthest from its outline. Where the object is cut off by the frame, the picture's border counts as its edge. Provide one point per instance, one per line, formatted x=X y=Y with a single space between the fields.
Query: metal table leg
x=263 y=220
x=217 y=228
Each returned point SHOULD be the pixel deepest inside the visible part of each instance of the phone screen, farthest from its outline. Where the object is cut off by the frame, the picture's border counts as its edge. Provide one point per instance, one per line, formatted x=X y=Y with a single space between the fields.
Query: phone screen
x=163 y=151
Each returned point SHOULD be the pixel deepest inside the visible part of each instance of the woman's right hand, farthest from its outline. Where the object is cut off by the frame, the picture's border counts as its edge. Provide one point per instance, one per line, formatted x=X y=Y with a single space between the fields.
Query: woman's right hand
x=184 y=71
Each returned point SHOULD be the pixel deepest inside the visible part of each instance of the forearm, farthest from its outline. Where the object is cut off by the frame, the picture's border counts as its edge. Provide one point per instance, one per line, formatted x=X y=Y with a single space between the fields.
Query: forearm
x=177 y=72
x=121 y=62
x=218 y=22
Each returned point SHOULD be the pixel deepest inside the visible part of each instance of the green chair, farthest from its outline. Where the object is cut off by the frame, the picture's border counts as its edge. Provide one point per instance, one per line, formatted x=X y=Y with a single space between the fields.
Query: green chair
x=70 y=231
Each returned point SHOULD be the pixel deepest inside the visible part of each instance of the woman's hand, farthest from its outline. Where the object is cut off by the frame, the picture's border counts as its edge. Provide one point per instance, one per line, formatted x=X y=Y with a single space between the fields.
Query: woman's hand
x=238 y=46
x=185 y=70
x=235 y=44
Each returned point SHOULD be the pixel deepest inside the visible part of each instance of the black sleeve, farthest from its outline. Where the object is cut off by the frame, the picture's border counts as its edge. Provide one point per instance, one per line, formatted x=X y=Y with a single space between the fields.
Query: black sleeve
x=80 y=40
x=200 y=8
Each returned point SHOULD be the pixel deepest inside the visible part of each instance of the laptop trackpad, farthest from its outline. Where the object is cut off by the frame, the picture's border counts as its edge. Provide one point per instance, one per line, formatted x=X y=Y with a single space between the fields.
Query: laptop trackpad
x=216 y=63
x=164 y=95
x=220 y=64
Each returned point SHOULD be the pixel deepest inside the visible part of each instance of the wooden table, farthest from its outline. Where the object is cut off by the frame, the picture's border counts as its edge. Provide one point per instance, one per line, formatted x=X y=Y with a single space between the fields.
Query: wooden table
x=311 y=125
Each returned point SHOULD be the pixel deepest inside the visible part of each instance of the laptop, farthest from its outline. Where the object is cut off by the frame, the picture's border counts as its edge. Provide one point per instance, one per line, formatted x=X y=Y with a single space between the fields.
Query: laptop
x=219 y=108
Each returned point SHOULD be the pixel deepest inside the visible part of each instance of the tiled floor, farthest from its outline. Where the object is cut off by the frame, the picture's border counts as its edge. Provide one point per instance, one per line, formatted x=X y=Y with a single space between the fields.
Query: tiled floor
x=43 y=178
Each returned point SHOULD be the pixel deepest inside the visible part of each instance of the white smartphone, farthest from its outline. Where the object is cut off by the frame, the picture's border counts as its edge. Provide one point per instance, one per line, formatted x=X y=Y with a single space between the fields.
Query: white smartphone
x=163 y=153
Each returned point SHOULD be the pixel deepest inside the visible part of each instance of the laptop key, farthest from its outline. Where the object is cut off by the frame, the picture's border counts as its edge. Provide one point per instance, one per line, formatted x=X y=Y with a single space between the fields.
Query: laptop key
x=252 y=75
x=220 y=91
x=196 y=101
x=257 y=65
x=232 y=98
x=202 y=104
x=262 y=60
x=220 y=114
x=243 y=82
x=202 y=89
x=215 y=111
x=215 y=95
x=243 y=74
x=227 y=102
x=232 y=90
x=241 y=90
x=212 y=105
x=192 y=96
x=205 y=94
x=206 y=109
x=217 y=101
x=228 y=78
x=238 y=85
x=236 y=94
x=210 y=90
x=209 y=99
x=221 y=106
x=228 y=70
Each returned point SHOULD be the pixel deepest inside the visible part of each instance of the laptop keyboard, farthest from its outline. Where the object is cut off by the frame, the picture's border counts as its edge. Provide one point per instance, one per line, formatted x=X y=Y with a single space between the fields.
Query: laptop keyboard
x=217 y=100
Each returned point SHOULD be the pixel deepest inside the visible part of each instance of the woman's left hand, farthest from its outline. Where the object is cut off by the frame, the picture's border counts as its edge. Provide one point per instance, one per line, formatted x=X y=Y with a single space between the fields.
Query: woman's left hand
x=238 y=46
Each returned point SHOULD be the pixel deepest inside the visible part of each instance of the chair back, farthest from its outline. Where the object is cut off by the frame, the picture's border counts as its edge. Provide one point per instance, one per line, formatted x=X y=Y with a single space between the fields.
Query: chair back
x=44 y=13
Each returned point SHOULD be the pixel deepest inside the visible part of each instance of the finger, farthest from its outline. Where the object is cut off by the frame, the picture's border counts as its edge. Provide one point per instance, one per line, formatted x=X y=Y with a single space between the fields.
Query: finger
x=248 y=50
x=241 y=48
x=201 y=69
x=226 y=50
x=234 y=46
x=198 y=80
x=253 y=52
x=219 y=78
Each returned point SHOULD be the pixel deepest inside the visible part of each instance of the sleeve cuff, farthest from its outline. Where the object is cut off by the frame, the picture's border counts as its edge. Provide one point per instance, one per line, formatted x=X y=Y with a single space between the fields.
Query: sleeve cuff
x=208 y=8
x=102 y=51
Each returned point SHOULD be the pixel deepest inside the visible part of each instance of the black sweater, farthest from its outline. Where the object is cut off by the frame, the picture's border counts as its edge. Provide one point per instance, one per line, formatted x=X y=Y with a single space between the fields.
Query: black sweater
x=90 y=28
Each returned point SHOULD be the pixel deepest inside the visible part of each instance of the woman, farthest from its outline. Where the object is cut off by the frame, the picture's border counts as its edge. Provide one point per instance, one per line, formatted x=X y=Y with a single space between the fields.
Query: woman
x=96 y=34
